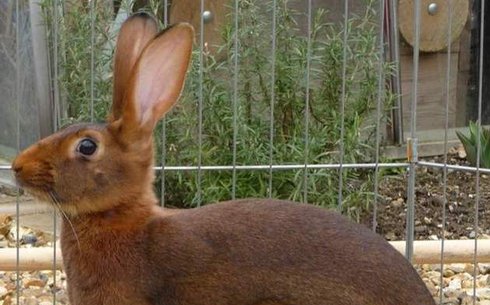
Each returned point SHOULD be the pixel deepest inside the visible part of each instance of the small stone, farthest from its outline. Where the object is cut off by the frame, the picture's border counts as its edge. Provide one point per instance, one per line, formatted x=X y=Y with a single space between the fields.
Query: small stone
x=434 y=277
x=32 y=301
x=483 y=293
x=420 y=229
x=3 y=292
x=397 y=203
x=29 y=238
x=32 y=292
x=461 y=152
x=390 y=236
x=7 y=300
x=448 y=272
x=62 y=296
x=457 y=268
x=432 y=288
x=451 y=293
x=12 y=234
x=5 y=223
x=466 y=300
x=484 y=268
x=455 y=284
x=425 y=267
x=427 y=220
x=43 y=277
x=450 y=301
x=34 y=283
x=467 y=283
x=483 y=281
x=470 y=268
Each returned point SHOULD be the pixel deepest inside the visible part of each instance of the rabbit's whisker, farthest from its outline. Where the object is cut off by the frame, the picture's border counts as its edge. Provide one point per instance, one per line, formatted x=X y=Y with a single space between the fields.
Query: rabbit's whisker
x=54 y=199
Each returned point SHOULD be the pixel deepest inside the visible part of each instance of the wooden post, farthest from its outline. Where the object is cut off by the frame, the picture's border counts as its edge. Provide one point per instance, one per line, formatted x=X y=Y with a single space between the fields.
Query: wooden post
x=41 y=69
x=455 y=251
x=425 y=252
x=29 y=259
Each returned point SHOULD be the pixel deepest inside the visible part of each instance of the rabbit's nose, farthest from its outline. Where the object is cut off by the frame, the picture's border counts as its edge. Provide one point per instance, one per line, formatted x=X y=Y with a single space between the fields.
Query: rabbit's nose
x=16 y=167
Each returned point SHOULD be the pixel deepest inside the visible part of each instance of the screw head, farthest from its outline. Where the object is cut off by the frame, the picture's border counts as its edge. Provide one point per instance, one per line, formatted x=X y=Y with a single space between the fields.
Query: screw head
x=432 y=8
x=207 y=16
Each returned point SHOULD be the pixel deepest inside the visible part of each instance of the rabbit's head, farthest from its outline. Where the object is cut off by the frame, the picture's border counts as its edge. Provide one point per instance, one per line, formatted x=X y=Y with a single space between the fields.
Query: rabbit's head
x=88 y=168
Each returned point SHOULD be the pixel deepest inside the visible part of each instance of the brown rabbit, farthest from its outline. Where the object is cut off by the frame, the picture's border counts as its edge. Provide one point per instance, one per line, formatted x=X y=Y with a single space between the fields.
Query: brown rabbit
x=120 y=248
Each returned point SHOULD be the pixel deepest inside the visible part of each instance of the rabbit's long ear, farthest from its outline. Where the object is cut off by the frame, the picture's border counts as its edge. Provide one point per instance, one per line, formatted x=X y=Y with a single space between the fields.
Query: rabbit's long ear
x=157 y=80
x=134 y=35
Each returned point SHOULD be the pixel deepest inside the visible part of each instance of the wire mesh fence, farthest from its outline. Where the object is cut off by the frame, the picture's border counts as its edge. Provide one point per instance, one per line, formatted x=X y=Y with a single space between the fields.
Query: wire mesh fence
x=280 y=103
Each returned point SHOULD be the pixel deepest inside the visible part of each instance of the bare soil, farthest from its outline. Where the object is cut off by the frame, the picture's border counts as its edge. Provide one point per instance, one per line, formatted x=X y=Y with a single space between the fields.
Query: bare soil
x=462 y=203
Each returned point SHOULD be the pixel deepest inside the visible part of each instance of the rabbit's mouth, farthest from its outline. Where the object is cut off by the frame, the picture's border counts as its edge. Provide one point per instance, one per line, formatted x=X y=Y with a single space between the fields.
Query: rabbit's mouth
x=38 y=187
x=33 y=184
x=35 y=177
x=42 y=193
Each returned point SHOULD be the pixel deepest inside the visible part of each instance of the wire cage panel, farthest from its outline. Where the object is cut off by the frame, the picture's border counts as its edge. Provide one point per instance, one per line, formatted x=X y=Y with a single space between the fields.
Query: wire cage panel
x=285 y=99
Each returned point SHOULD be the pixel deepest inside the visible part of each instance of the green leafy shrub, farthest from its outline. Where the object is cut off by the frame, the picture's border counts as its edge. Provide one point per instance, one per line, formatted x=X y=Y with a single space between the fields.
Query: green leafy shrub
x=300 y=133
x=79 y=79
x=470 y=144
x=291 y=142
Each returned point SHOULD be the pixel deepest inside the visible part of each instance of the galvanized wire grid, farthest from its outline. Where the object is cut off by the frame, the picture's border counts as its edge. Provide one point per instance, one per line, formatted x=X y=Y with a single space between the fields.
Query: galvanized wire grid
x=413 y=135
x=342 y=102
x=446 y=127
x=200 y=104
x=18 y=96
x=478 y=147
x=57 y=105
x=164 y=124
x=411 y=165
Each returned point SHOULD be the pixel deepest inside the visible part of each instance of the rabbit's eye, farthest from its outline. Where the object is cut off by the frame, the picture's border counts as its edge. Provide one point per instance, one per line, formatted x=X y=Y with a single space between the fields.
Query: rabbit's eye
x=87 y=147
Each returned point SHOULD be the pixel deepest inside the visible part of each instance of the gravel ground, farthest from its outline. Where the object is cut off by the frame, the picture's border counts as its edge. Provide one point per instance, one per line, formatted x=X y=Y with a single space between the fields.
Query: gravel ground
x=37 y=287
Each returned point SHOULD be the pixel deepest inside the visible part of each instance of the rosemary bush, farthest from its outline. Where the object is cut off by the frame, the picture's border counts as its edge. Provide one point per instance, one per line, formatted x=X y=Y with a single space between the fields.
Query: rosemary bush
x=272 y=119
x=300 y=133
x=79 y=78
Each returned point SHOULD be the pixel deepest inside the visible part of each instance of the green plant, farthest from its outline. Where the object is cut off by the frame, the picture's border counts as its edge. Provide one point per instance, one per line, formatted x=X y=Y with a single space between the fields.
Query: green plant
x=478 y=136
x=84 y=42
x=83 y=61
x=262 y=120
x=291 y=143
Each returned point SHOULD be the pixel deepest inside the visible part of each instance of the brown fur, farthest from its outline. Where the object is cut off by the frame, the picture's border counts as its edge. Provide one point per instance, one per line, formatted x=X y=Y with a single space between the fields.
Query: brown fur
x=120 y=248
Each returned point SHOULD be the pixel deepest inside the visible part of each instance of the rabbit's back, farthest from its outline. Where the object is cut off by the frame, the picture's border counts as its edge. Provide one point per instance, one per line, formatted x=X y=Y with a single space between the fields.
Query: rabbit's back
x=275 y=252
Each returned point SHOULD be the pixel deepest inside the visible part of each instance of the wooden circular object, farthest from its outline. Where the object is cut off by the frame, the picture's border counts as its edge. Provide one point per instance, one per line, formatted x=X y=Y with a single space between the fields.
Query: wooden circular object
x=216 y=15
x=434 y=22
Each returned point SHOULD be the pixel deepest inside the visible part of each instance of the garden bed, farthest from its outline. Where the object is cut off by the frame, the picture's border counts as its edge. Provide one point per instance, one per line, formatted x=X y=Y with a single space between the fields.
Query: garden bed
x=460 y=209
